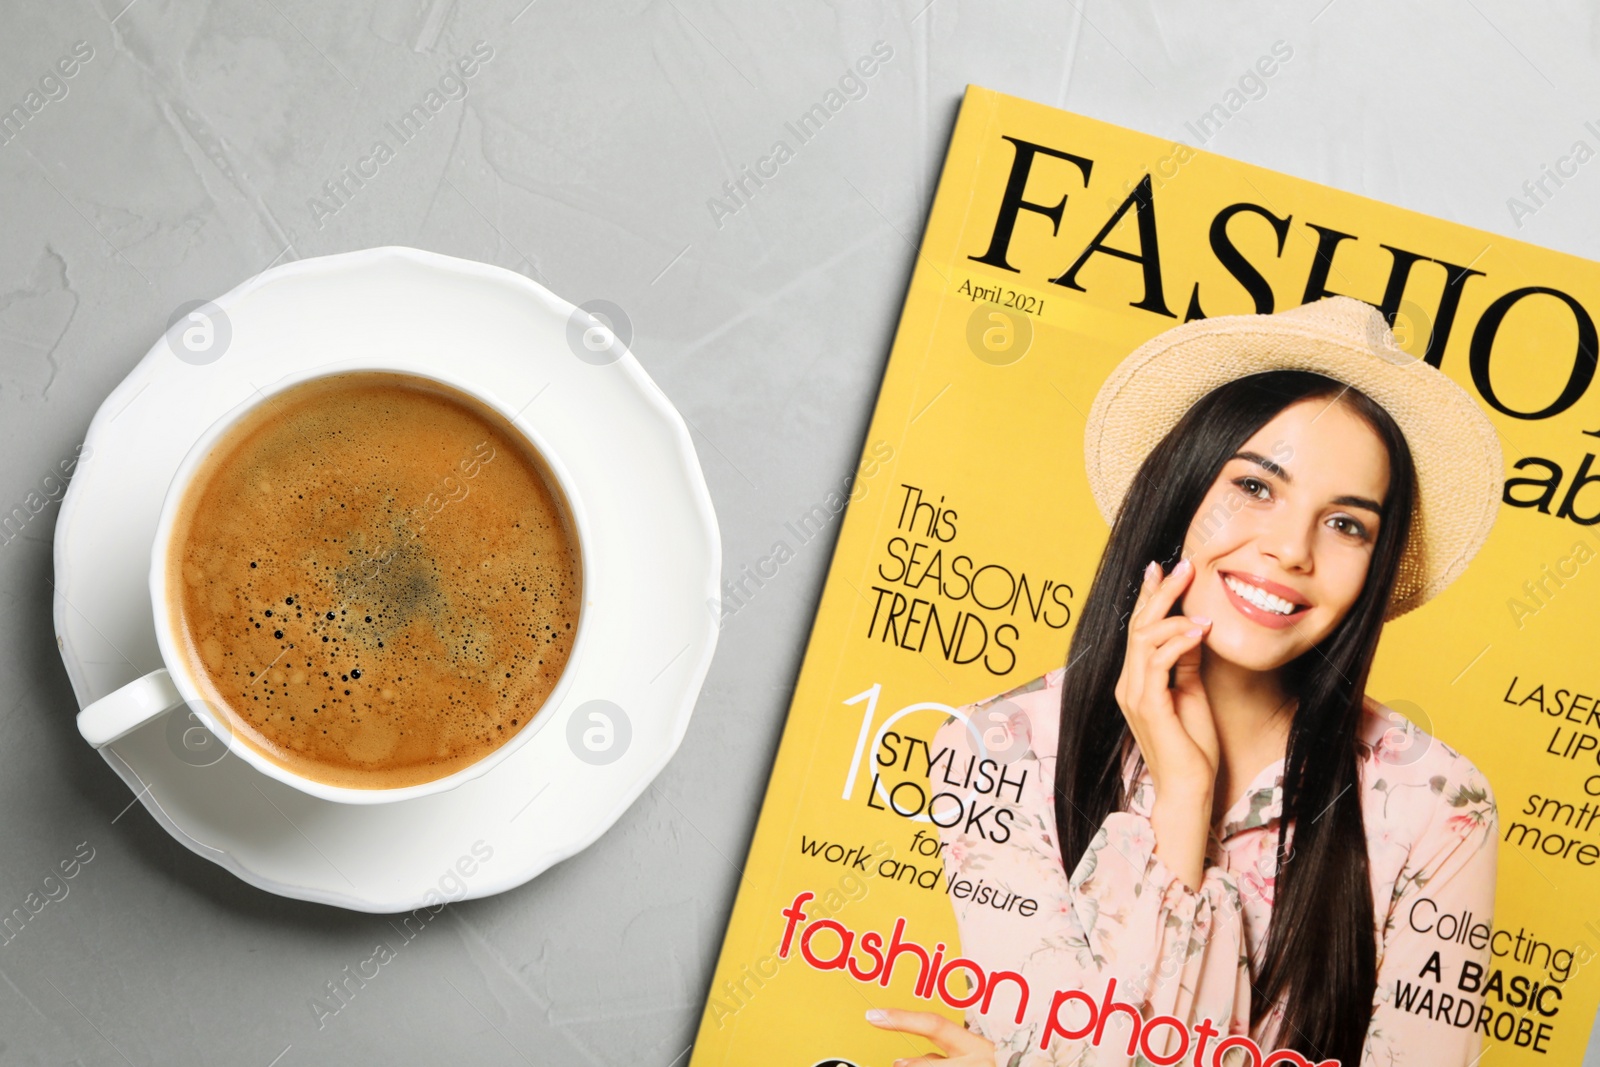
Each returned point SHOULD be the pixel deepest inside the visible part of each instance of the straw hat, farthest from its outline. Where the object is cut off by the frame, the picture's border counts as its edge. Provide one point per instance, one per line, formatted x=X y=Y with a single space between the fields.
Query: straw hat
x=1453 y=444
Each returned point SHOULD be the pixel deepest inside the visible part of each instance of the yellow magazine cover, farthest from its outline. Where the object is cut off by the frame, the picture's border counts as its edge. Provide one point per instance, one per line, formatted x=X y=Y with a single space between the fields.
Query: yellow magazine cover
x=1203 y=671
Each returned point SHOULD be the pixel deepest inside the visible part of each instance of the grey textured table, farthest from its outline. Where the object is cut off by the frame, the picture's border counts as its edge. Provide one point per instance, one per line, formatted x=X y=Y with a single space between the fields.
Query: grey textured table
x=196 y=143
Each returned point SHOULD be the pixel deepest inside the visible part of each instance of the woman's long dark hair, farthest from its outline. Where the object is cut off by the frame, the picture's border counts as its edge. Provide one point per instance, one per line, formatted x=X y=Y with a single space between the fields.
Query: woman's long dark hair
x=1321 y=953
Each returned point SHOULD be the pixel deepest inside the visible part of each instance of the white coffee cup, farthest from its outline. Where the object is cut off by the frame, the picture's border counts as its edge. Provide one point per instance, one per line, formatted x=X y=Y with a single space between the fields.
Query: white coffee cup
x=175 y=684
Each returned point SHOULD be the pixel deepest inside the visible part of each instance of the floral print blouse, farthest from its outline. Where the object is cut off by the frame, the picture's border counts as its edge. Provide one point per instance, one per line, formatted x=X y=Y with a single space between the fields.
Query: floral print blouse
x=1431 y=847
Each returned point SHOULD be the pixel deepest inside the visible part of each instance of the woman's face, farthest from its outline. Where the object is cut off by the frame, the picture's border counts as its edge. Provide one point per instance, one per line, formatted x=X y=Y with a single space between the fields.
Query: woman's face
x=1283 y=539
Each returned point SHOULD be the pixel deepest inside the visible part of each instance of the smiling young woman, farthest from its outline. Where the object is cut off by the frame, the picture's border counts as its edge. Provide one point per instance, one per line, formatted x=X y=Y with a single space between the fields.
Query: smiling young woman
x=1235 y=829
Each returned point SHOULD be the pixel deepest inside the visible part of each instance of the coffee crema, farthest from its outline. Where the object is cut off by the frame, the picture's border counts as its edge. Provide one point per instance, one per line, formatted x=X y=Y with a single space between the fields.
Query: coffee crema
x=375 y=579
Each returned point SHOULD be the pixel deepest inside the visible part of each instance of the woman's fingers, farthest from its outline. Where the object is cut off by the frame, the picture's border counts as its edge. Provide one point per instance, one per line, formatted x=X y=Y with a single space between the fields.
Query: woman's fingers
x=1159 y=689
x=952 y=1038
x=1147 y=676
x=1147 y=582
x=1154 y=637
x=1175 y=643
x=1138 y=677
x=1181 y=639
x=1165 y=592
x=1186 y=670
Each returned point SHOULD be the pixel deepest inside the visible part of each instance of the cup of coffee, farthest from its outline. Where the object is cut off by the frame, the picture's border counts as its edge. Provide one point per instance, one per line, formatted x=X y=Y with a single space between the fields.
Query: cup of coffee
x=368 y=582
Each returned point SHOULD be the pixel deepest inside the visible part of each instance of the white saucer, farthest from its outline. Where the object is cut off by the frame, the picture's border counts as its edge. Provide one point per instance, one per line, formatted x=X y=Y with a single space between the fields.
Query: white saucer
x=656 y=562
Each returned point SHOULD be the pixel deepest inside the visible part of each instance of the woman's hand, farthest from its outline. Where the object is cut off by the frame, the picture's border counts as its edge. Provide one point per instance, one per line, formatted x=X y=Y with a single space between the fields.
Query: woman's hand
x=1161 y=696
x=961 y=1047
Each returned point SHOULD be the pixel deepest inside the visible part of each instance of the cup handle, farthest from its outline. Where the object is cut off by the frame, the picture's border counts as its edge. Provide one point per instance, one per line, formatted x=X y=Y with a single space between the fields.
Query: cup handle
x=118 y=714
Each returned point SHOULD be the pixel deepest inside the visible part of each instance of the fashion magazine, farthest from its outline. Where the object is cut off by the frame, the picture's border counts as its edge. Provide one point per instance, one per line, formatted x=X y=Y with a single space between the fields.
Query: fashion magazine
x=1202 y=674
